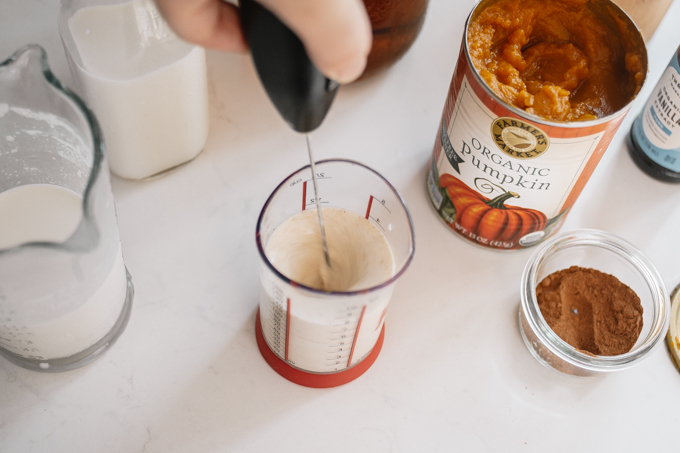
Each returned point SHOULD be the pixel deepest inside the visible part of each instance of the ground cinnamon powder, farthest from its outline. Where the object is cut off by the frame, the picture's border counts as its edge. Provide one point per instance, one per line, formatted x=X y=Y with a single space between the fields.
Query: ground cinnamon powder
x=591 y=310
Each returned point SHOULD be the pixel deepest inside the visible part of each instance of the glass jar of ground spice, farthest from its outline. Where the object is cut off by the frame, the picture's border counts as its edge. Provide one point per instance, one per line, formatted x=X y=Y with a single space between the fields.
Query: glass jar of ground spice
x=591 y=303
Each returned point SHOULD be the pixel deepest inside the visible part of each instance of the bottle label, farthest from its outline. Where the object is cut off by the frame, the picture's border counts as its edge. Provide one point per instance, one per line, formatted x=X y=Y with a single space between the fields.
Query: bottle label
x=657 y=128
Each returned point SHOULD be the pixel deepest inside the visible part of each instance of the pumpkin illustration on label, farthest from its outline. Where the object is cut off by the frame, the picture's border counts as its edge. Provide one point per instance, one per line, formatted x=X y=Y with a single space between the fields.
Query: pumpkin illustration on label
x=489 y=221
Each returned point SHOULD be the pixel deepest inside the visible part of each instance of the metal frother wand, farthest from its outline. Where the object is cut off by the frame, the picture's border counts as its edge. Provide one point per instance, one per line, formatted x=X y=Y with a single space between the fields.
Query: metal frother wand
x=300 y=93
x=318 y=204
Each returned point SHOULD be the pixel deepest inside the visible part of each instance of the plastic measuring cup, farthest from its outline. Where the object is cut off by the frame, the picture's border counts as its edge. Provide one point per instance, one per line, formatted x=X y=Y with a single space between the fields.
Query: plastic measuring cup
x=325 y=339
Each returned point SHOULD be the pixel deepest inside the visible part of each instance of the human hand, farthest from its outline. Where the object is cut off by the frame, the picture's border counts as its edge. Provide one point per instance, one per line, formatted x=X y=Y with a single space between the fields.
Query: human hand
x=336 y=33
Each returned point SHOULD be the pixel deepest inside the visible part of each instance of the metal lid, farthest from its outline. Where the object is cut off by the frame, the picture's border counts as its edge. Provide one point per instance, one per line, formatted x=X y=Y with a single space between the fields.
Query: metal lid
x=673 y=337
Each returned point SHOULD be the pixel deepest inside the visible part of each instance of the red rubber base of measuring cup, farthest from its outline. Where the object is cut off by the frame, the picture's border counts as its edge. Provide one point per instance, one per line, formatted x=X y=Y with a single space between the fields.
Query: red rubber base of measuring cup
x=318 y=381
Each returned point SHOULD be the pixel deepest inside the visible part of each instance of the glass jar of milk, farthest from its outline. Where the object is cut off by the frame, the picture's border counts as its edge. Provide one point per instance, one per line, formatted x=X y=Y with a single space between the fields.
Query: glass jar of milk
x=147 y=87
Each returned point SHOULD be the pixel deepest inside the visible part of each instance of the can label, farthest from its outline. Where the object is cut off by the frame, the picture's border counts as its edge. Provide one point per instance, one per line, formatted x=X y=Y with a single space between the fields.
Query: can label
x=657 y=128
x=502 y=179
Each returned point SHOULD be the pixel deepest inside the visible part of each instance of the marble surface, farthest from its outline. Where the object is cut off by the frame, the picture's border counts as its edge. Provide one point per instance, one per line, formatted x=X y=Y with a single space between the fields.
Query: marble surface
x=454 y=374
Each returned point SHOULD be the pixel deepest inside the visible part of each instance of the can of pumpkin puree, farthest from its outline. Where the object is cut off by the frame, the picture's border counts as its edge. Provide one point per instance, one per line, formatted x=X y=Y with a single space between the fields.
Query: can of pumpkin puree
x=539 y=90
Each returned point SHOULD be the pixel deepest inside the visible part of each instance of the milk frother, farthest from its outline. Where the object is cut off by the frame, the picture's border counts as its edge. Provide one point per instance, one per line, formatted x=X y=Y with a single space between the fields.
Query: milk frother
x=298 y=90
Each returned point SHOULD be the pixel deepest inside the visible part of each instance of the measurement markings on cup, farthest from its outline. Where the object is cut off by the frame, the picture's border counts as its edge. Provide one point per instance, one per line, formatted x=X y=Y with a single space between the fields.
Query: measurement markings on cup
x=280 y=329
x=356 y=335
x=305 y=202
x=287 y=326
x=375 y=218
x=347 y=330
x=280 y=323
x=341 y=342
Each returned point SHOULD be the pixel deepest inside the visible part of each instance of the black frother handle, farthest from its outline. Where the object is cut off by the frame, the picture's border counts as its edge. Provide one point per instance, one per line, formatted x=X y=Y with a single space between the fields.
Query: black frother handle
x=300 y=93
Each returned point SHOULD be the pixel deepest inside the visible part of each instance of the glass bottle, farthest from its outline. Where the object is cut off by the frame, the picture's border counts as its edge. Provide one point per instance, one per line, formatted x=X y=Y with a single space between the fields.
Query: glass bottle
x=147 y=87
x=395 y=24
x=655 y=134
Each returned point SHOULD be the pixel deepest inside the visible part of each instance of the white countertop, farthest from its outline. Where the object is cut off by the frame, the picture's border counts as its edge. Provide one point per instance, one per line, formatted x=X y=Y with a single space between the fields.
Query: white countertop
x=453 y=374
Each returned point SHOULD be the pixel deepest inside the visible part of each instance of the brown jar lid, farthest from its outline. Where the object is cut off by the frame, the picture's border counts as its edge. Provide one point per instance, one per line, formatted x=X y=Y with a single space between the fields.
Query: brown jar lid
x=673 y=337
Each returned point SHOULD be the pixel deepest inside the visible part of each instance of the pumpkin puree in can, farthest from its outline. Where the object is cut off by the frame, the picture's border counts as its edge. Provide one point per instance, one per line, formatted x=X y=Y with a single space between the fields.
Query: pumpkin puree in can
x=539 y=90
x=555 y=58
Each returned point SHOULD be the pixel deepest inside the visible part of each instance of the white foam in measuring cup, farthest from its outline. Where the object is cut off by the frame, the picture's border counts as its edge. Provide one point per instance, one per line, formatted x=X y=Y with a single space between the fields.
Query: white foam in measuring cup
x=360 y=255
x=147 y=88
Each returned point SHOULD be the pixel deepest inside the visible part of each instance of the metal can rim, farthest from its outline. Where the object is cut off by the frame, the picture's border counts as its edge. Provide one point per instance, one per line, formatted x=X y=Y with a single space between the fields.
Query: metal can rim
x=483 y=4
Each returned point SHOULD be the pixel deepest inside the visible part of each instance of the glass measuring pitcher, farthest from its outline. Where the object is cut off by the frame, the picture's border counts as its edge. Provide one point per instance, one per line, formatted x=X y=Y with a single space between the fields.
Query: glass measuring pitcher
x=313 y=337
x=65 y=295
